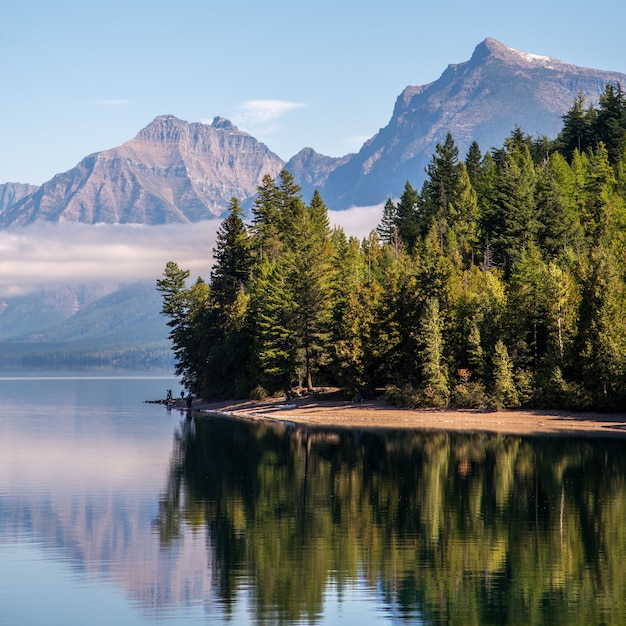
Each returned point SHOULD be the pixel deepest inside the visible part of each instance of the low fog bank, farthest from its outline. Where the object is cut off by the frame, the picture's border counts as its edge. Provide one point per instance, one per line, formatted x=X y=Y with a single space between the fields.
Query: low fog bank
x=59 y=254
x=48 y=255
x=357 y=221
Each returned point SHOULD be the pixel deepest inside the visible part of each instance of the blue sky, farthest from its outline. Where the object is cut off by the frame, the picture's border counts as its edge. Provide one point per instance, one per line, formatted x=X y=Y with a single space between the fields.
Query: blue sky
x=85 y=76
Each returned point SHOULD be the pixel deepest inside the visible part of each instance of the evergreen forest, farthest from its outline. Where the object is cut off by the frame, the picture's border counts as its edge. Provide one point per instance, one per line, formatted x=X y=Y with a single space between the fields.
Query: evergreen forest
x=500 y=283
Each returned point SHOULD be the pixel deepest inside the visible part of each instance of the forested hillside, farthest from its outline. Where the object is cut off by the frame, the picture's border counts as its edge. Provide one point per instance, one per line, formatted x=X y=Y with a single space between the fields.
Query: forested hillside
x=501 y=282
x=119 y=331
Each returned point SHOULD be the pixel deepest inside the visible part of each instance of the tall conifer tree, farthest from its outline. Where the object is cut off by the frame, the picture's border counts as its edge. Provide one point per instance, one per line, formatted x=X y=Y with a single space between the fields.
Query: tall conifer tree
x=435 y=388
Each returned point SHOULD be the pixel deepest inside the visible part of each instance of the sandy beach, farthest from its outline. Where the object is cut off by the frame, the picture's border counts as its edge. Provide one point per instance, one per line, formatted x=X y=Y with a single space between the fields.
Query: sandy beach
x=381 y=415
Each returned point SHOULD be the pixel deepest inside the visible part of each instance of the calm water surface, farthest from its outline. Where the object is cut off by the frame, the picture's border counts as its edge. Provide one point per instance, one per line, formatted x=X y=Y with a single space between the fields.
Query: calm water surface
x=117 y=511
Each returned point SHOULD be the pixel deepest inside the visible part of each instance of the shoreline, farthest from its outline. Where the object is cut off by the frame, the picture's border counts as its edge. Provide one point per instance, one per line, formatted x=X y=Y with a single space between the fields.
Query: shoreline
x=378 y=414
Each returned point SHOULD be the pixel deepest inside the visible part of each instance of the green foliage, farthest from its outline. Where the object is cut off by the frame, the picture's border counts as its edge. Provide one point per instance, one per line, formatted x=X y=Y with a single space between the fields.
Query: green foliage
x=354 y=294
x=275 y=346
x=469 y=394
x=601 y=340
x=435 y=388
x=504 y=389
x=233 y=261
x=501 y=283
x=309 y=281
x=408 y=216
x=585 y=128
x=388 y=228
x=577 y=132
x=513 y=222
x=184 y=307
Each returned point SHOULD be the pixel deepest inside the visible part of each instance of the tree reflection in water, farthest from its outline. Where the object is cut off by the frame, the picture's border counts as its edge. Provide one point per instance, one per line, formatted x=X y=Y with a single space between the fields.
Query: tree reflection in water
x=454 y=528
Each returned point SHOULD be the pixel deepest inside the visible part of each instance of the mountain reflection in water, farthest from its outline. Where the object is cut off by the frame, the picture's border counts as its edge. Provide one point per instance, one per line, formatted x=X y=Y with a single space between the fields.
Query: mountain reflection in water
x=447 y=528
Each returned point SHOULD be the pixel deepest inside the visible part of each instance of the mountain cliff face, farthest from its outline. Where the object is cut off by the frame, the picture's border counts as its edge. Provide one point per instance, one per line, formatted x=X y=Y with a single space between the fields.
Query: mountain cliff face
x=12 y=193
x=483 y=99
x=311 y=169
x=171 y=171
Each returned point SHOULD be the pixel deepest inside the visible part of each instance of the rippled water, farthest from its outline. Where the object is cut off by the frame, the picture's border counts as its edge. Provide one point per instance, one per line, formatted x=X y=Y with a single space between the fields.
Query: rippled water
x=113 y=511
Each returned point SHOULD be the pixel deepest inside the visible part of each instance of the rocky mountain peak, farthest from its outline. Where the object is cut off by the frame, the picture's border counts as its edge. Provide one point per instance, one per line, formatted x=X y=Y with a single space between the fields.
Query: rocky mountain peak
x=12 y=193
x=496 y=50
x=172 y=171
x=311 y=169
x=162 y=128
x=222 y=123
x=483 y=99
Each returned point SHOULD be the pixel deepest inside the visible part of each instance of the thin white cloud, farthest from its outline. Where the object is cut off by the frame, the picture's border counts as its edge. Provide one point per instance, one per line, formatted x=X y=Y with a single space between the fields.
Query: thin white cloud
x=261 y=115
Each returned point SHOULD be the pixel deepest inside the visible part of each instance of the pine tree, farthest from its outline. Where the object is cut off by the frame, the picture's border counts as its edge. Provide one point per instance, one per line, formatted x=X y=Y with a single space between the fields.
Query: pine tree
x=226 y=333
x=557 y=211
x=274 y=339
x=475 y=352
x=486 y=185
x=576 y=134
x=354 y=299
x=610 y=122
x=440 y=188
x=514 y=222
x=266 y=206
x=290 y=203
x=309 y=279
x=388 y=228
x=504 y=392
x=393 y=320
x=602 y=334
x=233 y=261
x=434 y=388
x=463 y=217
x=442 y=175
x=527 y=309
x=603 y=213
x=473 y=162
x=173 y=286
x=266 y=219
x=185 y=309
x=560 y=296
x=408 y=216
x=197 y=337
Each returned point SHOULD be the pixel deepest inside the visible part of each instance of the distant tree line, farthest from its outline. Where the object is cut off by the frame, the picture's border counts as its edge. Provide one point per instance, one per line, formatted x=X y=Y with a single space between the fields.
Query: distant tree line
x=145 y=357
x=502 y=282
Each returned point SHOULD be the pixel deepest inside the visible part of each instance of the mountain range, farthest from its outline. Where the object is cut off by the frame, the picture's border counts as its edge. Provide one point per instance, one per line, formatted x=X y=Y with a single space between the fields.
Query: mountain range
x=175 y=171
x=179 y=172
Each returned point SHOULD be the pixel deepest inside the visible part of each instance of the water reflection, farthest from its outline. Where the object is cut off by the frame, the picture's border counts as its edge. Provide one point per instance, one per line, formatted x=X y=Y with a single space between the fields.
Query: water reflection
x=258 y=523
x=444 y=528
x=79 y=495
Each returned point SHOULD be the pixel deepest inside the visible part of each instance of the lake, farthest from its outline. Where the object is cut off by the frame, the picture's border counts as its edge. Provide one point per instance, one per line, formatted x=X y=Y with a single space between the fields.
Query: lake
x=114 y=511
